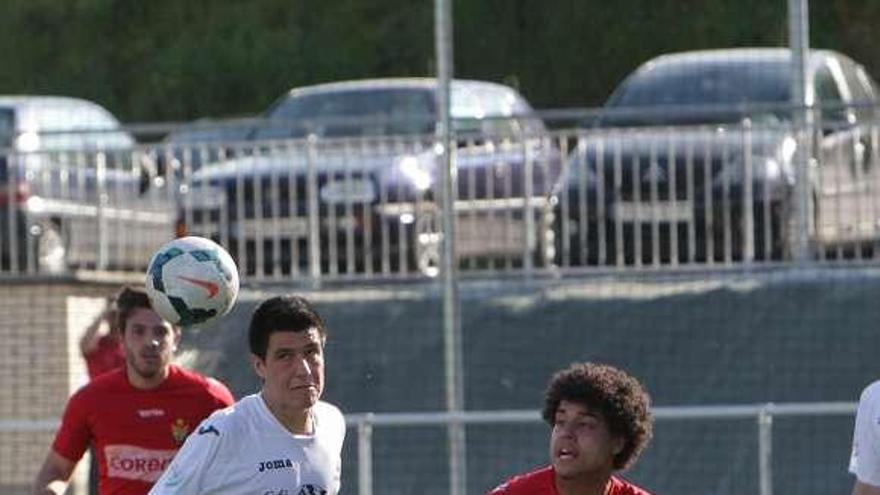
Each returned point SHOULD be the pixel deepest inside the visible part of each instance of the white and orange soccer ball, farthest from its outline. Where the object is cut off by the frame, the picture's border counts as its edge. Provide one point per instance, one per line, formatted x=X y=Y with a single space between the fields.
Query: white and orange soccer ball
x=191 y=281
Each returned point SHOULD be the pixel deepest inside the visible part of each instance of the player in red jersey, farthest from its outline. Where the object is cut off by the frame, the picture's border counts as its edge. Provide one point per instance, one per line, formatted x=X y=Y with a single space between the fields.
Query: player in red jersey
x=102 y=351
x=137 y=416
x=600 y=424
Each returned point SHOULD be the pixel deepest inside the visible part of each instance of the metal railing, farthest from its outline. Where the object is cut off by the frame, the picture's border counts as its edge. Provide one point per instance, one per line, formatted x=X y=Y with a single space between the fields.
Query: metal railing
x=365 y=425
x=319 y=210
x=763 y=414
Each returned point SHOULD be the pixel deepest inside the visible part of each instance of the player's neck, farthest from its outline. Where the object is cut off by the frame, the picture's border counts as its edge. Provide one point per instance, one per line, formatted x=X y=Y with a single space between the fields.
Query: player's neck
x=296 y=421
x=583 y=485
x=142 y=382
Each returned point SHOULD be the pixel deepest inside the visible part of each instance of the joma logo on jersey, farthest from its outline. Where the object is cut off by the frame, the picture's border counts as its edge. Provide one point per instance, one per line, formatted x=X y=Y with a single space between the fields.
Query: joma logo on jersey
x=276 y=464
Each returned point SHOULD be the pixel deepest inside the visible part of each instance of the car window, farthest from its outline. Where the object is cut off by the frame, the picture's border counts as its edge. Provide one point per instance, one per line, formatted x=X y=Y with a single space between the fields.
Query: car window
x=828 y=96
x=862 y=90
x=735 y=82
x=868 y=82
x=7 y=127
x=684 y=84
x=492 y=111
x=74 y=126
x=350 y=113
x=7 y=134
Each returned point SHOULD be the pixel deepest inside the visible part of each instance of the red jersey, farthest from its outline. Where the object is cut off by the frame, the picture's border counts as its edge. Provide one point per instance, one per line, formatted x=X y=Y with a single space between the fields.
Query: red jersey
x=136 y=432
x=107 y=356
x=542 y=482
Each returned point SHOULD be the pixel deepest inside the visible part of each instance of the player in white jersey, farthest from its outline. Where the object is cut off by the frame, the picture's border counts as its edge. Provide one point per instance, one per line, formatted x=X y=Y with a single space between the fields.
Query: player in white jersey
x=865 y=460
x=283 y=440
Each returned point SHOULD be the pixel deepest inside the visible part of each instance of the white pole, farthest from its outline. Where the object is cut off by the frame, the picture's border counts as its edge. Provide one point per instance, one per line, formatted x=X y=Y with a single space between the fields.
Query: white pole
x=451 y=322
x=799 y=42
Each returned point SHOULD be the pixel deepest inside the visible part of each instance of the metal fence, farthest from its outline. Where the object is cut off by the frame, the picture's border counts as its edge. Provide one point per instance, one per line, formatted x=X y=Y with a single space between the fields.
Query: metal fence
x=763 y=415
x=365 y=427
x=577 y=199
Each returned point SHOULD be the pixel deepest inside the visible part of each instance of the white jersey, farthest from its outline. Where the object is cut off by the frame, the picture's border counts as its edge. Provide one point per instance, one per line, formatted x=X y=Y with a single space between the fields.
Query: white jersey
x=244 y=449
x=865 y=460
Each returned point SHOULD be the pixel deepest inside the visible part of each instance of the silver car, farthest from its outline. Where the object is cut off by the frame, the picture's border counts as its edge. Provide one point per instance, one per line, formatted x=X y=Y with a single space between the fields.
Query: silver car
x=694 y=160
x=75 y=193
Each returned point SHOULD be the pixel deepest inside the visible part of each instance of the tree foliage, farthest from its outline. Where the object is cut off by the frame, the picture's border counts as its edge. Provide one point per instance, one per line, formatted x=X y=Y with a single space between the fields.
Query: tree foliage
x=179 y=60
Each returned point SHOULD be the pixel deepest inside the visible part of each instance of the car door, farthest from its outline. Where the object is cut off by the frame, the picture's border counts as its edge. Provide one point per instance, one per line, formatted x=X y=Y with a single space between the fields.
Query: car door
x=863 y=140
x=837 y=194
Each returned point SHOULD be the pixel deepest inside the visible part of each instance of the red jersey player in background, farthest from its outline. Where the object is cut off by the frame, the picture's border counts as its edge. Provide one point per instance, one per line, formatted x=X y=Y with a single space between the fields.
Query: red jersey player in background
x=138 y=415
x=600 y=424
x=102 y=351
x=100 y=344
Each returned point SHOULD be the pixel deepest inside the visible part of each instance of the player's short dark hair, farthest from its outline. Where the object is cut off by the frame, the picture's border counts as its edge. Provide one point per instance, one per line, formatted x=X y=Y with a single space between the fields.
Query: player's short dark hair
x=129 y=299
x=617 y=396
x=287 y=313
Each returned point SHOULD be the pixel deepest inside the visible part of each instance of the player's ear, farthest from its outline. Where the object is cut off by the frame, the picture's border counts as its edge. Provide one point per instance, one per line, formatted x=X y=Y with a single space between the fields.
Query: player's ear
x=259 y=366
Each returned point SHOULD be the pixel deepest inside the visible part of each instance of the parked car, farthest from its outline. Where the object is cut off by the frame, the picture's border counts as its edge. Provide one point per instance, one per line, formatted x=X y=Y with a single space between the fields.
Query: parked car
x=188 y=146
x=74 y=190
x=693 y=160
x=342 y=178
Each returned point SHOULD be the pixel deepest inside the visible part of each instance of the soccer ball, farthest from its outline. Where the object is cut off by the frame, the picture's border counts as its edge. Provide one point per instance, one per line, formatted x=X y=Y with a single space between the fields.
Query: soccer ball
x=192 y=280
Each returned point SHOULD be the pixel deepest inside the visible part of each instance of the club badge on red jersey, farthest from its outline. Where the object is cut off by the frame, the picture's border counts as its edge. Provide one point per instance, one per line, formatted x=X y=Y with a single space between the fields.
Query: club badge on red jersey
x=179 y=430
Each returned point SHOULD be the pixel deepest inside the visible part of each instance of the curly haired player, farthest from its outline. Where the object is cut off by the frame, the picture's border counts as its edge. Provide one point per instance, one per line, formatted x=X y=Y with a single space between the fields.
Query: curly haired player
x=600 y=424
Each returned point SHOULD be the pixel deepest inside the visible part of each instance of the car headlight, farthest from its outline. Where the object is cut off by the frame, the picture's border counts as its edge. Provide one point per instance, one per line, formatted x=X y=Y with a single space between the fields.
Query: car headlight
x=773 y=167
x=27 y=142
x=415 y=171
x=763 y=169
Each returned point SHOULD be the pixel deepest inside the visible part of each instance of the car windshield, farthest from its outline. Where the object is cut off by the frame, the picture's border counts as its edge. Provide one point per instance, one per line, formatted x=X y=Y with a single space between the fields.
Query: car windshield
x=204 y=132
x=687 y=92
x=354 y=112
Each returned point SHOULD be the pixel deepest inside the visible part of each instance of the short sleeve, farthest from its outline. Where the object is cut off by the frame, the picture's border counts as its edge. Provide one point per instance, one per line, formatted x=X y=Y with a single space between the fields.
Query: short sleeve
x=74 y=435
x=865 y=460
x=220 y=392
x=335 y=437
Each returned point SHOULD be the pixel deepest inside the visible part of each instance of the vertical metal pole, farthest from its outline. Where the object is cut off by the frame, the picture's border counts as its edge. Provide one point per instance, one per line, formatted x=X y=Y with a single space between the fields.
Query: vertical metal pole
x=765 y=450
x=103 y=198
x=365 y=456
x=799 y=37
x=529 y=241
x=453 y=361
x=314 y=245
x=748 y=213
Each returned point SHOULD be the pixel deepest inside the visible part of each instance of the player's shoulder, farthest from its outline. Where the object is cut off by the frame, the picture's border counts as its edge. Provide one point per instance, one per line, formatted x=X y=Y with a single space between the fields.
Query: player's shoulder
x=871 y=392
x=188 y=378
x=229 y=421
x=536 y=482
x=327 y=413
x=620 y=486
x=182 y=376
x=110 y=382
x=327 y=409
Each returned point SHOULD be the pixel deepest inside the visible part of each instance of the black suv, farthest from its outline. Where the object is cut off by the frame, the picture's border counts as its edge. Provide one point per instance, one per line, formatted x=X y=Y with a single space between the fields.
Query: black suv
x=693 y=160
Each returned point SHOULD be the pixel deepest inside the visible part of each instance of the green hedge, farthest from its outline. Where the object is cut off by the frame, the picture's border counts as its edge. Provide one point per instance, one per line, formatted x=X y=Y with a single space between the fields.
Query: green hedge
x=155 y=60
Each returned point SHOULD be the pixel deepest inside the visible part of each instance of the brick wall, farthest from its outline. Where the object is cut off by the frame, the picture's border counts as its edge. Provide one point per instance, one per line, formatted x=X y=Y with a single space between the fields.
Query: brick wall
x=40 y=326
